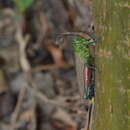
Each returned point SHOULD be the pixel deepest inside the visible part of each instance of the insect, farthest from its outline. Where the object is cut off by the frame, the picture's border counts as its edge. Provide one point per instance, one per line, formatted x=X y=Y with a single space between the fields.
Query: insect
x=83 y=46
x=84 y=49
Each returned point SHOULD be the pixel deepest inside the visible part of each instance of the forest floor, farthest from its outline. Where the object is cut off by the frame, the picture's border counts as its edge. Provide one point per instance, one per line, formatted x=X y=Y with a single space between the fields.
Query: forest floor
x=38 y=85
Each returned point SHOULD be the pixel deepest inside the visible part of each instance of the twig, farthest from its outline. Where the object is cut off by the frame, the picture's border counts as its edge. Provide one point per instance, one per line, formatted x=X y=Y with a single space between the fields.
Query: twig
x=50 y=67
x=22 y=54
x=33 y=120
x=25 y=66
x=43 y=98
x=88 y=125
x=17 y=108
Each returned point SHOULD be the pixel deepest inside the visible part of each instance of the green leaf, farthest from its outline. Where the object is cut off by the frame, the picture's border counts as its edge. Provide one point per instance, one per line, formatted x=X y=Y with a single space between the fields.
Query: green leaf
x=22 y=5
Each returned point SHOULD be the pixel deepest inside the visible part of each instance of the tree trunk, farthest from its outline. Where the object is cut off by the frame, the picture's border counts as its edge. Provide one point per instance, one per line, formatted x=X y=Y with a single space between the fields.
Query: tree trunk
x=112 y=18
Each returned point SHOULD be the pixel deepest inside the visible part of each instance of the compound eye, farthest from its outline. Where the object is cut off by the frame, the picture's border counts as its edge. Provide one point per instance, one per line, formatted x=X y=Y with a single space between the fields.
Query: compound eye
x=93 y=28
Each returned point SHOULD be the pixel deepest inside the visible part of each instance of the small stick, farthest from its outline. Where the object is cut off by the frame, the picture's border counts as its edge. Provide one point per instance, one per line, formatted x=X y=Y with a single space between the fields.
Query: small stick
x=91 y=117
x=25 y=66
x=88 y=125
x=17 y=108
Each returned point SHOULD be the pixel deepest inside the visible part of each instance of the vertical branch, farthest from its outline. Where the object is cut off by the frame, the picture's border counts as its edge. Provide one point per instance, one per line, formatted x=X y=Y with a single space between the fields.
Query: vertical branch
x=22 y=42
x=17 y=108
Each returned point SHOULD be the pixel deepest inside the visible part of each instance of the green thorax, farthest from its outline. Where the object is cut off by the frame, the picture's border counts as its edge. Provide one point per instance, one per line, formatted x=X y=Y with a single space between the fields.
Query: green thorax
x=81 y=48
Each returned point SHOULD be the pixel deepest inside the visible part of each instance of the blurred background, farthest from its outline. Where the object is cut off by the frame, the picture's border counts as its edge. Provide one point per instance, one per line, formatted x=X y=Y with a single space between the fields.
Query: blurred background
x=38 y=85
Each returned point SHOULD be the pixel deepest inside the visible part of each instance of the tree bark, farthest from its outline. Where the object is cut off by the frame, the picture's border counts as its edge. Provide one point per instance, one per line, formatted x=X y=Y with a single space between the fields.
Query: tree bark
x=112 y=18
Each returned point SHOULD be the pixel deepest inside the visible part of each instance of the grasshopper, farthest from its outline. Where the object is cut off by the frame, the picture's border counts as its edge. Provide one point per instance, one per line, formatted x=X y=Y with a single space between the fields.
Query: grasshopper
x=84 y=48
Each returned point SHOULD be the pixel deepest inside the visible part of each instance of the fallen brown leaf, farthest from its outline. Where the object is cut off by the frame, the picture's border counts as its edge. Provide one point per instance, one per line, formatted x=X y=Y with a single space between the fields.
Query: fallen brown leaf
x=60 y=126
x=56 y=54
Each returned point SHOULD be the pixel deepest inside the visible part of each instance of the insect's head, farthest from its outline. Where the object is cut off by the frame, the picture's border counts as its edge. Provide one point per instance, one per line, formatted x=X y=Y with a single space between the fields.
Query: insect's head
x=60 y=37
